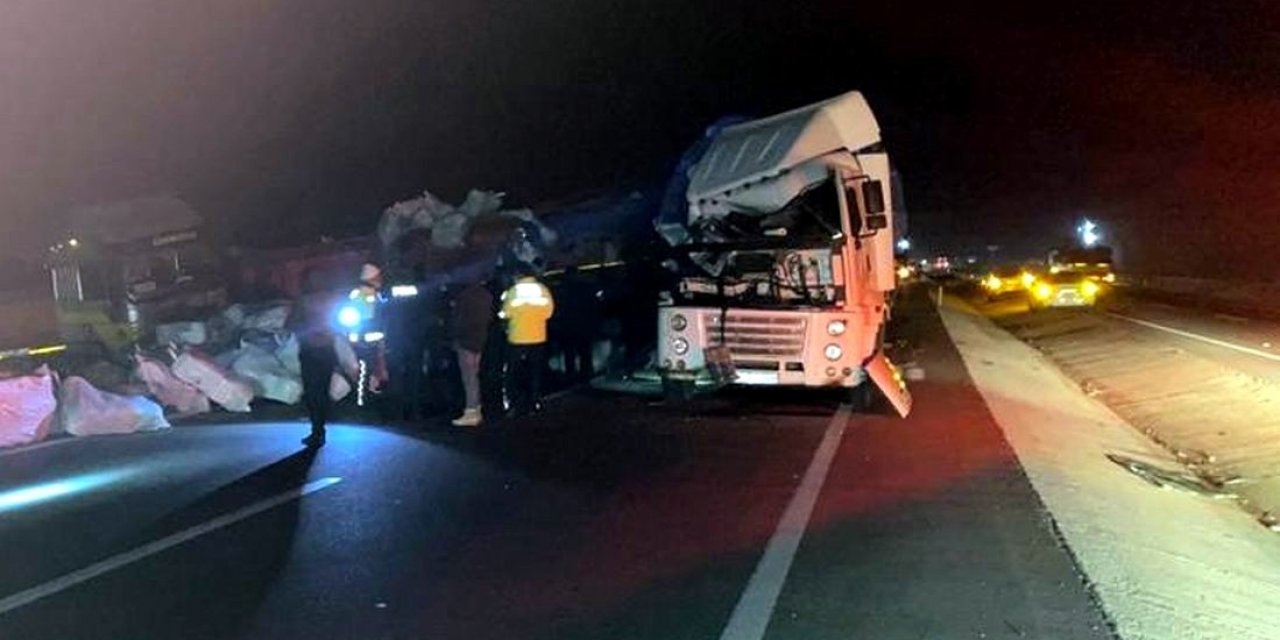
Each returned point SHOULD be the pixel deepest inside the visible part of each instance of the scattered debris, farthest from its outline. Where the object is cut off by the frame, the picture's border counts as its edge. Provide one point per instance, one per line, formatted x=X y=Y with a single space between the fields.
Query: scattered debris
x=86 y=411
x=230 y=391
x=29 y=406
x=170 y=390
x=1161 y=477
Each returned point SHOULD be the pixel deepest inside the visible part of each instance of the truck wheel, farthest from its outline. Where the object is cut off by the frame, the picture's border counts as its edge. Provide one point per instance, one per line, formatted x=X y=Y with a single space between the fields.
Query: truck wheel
x=677 y=390
x=863 y=397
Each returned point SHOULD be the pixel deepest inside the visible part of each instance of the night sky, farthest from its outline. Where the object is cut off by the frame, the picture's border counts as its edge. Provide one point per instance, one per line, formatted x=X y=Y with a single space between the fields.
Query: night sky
x=1008 y=121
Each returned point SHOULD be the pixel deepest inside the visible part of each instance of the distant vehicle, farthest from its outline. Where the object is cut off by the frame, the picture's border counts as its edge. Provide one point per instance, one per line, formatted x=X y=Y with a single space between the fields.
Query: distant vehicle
x=126 y=268
x=1095 y=263
x=784 y=256
x=1064 y=289
x=1006 y=279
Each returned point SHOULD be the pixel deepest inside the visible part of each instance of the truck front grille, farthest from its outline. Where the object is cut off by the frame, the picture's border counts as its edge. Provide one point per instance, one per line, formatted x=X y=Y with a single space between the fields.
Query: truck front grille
x=758 y=338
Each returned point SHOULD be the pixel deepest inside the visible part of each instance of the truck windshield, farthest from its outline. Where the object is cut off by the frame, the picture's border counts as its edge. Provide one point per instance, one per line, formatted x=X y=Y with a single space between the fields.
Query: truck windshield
x=810 y=219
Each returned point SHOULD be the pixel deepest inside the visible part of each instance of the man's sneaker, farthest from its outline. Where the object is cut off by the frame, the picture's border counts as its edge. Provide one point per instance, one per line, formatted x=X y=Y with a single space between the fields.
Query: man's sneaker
x=469 y=418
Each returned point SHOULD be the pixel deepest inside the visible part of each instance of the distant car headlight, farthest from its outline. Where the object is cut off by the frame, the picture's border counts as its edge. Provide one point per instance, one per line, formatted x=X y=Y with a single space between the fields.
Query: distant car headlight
x=1110 y=277
x=349 y=317
x=680 y=346
x=1043 y=291
x=1090 y=288
x=679 y=322
x=833 y=352
x=1028 y=280
x=993 y=283
x=836 y=328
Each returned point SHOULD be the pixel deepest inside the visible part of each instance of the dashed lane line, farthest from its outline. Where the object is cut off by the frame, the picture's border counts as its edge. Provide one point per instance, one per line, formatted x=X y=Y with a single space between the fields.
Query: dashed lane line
x=1205 y=339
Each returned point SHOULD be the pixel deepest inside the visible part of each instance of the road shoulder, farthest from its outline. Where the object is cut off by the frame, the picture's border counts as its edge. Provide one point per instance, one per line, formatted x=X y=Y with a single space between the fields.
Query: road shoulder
x=928 y=527
x=1165 y=564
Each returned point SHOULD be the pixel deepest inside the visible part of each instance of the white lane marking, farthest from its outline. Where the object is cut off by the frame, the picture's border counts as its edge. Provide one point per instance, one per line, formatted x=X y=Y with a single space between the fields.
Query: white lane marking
x=750 y=618
x=64 y=582
x=1205 y=339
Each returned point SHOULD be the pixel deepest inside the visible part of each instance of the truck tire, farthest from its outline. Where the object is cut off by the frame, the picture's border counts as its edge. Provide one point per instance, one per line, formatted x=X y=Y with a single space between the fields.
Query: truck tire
x=863 y=398
x=677 y=391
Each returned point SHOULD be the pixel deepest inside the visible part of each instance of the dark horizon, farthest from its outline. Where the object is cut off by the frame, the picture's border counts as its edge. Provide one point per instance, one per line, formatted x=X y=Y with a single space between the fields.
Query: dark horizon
x=1007 y=122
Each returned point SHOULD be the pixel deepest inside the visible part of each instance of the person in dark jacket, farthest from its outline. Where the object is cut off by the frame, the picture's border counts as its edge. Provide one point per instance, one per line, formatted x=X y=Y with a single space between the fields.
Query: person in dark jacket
x=473 y=313
x=577 y=324
x=318 y=355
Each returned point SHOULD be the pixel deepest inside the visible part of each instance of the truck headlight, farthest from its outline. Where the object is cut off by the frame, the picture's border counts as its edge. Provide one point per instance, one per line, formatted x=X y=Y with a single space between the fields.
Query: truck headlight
x=1109 y=277
x=1090 y=288
x=680 y=346
x=349 y=317
x=833 y=352
x=679 y=322
x=1043 y=291
x=836 y=328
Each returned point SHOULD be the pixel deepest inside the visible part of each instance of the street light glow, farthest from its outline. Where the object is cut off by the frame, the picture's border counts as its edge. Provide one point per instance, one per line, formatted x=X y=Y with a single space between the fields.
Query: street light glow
x=1089 y=234
x=904 y=244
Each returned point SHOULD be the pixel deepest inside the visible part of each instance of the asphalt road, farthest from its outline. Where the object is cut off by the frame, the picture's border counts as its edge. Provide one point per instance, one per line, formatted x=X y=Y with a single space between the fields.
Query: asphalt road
x=1249 y=345
x=607 y=517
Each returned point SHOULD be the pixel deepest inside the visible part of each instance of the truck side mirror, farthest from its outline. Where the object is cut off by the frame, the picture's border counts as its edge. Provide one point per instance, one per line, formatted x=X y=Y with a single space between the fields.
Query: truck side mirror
x=873 y=200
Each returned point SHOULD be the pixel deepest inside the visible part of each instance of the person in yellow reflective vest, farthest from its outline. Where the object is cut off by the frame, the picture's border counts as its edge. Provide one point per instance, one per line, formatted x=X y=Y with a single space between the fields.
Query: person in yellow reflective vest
x=526 y=308
x=364 y=300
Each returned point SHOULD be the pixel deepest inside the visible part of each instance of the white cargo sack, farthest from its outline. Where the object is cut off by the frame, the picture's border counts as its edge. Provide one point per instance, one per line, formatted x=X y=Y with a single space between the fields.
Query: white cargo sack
x=339 y=388
x=271 y=379
x=170 y=390
x=182 y=333
x=27 y=406
x=347 y=360
x=287 y=352
x=86 y=411
x=230 y=391
x=270 y=319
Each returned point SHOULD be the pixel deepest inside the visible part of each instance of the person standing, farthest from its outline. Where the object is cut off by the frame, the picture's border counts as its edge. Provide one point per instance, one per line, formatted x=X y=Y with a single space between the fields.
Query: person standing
x=318 y=355
x=472 y=315
x=578 y=324
x=406 y=342
x=526 y=306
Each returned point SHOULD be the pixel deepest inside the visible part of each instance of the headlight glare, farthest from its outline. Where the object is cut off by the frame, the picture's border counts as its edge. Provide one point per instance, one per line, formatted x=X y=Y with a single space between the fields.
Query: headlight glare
x=836 y=328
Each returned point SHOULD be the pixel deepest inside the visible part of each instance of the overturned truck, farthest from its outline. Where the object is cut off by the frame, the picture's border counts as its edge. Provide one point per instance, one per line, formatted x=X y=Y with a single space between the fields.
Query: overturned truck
x=784 y=253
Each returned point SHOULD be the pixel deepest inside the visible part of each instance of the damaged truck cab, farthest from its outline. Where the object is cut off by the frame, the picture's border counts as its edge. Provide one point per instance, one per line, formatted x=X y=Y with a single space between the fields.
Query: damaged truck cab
x=785 y=256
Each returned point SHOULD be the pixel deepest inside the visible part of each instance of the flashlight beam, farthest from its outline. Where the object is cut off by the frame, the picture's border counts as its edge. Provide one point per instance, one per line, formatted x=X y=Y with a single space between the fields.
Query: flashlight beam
x=67 y=581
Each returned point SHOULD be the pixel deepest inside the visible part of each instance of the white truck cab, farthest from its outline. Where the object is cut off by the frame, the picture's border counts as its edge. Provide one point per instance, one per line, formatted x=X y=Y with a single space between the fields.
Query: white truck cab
x=789 y=244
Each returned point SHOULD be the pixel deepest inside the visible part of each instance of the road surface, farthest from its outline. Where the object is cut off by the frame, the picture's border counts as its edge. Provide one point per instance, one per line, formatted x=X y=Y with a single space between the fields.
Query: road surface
x=745 y=515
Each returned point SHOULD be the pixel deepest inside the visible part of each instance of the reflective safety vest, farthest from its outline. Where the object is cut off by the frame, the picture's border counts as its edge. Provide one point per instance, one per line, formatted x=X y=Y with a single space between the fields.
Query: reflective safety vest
x=527 y=306
x=365 y=299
